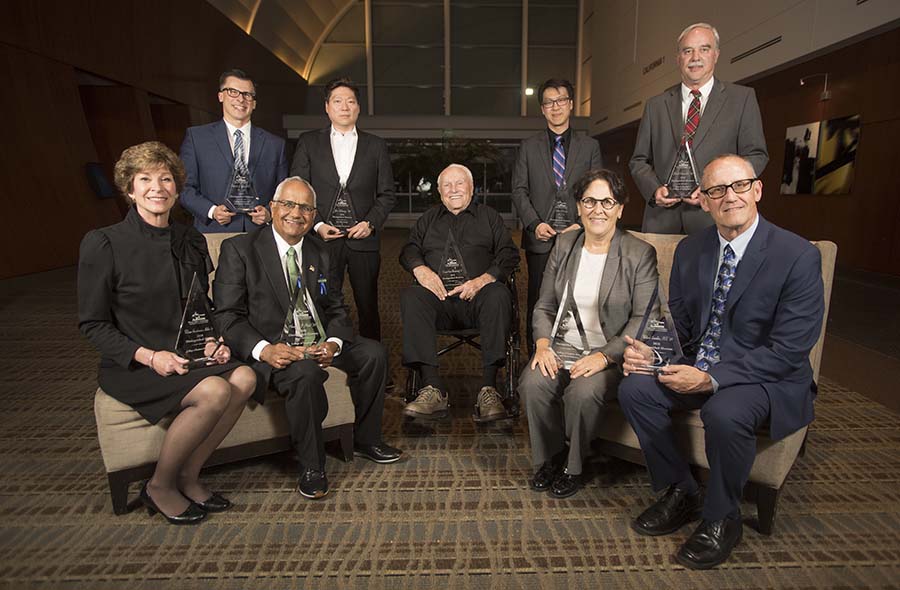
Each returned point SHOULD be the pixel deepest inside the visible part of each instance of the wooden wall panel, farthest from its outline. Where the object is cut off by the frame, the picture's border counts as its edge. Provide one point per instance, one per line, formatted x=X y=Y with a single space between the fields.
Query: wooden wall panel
x=864 y=79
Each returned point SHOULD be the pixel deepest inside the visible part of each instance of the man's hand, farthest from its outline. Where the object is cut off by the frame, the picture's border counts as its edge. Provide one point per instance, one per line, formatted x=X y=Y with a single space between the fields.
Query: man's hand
x=572 y=227
x=544 y=232
x=259 y=215
x=323 y=353
x=588 y=366
x=636 y=358
x=359 y=231
x=329 y=232
x=217 y=350
x=431 y=281
x=661 y=196
x=685 y=379
x=281 y=355
x=694 y=199
x=470 y=288
x=223 y=214
x=545 y=359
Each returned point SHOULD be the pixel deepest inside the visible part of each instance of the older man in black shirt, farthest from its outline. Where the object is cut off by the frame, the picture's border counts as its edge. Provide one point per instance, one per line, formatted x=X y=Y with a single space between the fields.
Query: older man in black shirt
x=461 y=254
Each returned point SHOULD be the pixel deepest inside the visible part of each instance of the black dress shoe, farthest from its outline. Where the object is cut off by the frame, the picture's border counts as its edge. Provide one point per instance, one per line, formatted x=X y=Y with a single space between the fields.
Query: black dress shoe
x=565 y=485
x=711 y=543
x=192 y=515
x=312 y=484
x=379 y=453
x=215 y=503
x=670 y=512
x=544 y=477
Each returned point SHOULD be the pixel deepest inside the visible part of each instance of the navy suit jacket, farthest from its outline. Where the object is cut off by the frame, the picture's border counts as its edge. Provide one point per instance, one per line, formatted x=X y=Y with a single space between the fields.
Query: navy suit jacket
x=209 y=164
x=252 y=297
x=773 y=316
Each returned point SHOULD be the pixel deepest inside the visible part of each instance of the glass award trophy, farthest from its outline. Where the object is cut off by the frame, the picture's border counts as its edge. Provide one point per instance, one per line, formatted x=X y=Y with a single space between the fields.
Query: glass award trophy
x=657 y=330
x=302 y=326
x=453 y=269
x=342 y=215
x=198 y=339
x=568 y=319
x=559 y=217
x=241 y=197
x=683 y=179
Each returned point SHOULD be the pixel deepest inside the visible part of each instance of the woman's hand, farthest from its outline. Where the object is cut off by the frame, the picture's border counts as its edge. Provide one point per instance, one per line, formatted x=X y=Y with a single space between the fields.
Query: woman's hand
x=166 y=363
x=545 y=358
x=588 y=366
x=222 y=354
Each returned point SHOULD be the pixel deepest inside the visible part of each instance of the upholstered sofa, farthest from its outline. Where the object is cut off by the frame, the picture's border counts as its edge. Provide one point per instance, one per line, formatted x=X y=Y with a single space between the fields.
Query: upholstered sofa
x=773 y=459
x=130 y=445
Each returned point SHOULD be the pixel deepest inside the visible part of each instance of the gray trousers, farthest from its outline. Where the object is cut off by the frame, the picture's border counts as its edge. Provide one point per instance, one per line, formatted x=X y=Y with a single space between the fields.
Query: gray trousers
x=564 y=409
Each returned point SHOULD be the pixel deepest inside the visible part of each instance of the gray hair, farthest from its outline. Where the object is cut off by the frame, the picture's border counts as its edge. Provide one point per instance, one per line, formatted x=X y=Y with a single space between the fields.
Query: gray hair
x=281 y=184
x=690 y=28
x=464 y=169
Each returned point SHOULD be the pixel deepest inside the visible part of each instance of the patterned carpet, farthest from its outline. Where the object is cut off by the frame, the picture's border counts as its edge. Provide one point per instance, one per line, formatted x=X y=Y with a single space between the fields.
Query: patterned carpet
x=455 y=513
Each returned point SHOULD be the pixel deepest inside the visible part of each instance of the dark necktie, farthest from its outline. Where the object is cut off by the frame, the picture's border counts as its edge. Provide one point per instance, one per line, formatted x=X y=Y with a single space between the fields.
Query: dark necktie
x=693 y=117
x=708 y=355
x=559 y=162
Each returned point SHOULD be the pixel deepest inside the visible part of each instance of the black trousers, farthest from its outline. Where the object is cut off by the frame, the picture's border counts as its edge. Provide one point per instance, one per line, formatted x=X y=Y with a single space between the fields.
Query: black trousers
x=363 y=268
x=423 y=314
x=306 y=405
x=536 y=264
x=731 y=417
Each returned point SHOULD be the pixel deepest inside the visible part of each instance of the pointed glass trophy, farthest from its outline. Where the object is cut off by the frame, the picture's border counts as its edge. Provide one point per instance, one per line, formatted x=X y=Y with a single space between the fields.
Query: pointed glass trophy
x=657 y=330
x=683 y=179
x=241 y=197
x=567 y=325
x=342 y=214
x=302 y=326
x=198 y=339
x=453 y=270
x=559 y=217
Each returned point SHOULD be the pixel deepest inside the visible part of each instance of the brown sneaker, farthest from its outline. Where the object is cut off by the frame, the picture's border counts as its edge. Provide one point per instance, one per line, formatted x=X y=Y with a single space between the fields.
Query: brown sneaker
x=430 y=402
x=489 y=405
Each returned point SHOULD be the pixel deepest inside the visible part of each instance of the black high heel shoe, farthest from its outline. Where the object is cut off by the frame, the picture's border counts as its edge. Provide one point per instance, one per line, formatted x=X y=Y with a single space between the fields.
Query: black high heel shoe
x=192 y=515
x=215 y=503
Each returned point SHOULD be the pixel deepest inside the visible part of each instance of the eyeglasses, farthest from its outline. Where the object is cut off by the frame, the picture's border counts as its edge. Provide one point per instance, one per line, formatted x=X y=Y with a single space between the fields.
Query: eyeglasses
x=588 y=203
x=559 y=102
x=234 y=93
x=304 y=208
x=738 y=186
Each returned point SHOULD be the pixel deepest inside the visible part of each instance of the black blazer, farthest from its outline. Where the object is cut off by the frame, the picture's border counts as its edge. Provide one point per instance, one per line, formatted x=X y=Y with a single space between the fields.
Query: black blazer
x=371 y=181
x=252 y=298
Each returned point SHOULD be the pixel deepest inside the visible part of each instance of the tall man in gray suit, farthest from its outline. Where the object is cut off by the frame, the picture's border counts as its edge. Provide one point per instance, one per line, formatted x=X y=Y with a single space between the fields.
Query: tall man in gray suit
x=549 y=163
x=714 y=117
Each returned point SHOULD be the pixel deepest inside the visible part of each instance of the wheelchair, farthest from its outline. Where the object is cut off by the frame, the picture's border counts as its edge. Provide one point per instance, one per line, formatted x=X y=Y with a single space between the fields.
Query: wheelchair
x=469 y=336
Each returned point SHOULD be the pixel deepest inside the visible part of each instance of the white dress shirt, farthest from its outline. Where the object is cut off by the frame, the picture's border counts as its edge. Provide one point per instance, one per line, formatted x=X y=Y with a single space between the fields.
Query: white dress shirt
x=687 y=97
x=283 y=247
x=245 y=132
x=343 y=148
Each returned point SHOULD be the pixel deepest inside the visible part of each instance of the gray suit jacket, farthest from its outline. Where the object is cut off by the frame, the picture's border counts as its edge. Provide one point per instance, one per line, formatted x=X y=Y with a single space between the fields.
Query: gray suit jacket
x=628 y=281
x=730 y=124
x=533 y=186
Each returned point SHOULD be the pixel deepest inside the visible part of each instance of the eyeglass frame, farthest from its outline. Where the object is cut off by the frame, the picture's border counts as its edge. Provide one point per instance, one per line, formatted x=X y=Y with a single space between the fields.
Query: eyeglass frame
x=303 y=207
x=725 y=188
x=600 y=202
x=246 y=95
x=559 y=101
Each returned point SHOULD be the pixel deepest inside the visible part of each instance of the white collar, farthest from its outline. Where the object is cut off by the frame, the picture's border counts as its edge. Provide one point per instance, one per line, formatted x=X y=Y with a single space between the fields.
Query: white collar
x=704 y=90
x=336 y=133
x=283 y=246
x=245 y=130
x=740 y=243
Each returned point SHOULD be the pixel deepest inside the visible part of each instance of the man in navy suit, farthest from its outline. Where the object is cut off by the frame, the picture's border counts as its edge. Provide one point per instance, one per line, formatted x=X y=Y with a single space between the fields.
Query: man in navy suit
x=208 y=153
x=747 y=331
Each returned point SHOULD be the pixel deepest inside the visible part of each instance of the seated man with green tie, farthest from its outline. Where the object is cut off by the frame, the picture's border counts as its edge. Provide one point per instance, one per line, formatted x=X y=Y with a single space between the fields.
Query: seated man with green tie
x=278 y=314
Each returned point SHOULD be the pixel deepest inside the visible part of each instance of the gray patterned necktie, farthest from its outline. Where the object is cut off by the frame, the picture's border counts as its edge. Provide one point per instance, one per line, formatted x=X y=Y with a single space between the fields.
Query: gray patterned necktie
x=239 y=163
x=708 y=355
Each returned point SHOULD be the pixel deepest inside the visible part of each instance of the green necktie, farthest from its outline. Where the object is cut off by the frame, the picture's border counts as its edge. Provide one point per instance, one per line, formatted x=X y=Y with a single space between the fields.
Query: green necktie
x=306 y=323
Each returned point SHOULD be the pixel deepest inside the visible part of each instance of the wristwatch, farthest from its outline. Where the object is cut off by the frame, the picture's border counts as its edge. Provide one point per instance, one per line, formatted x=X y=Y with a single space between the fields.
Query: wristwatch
x=371 y=226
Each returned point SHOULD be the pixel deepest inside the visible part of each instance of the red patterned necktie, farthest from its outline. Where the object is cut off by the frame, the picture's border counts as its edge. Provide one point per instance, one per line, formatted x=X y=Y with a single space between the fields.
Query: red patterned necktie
x=693 y=117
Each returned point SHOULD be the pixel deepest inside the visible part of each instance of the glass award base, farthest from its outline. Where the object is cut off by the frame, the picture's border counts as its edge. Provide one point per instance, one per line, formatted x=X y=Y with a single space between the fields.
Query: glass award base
x=566 y=354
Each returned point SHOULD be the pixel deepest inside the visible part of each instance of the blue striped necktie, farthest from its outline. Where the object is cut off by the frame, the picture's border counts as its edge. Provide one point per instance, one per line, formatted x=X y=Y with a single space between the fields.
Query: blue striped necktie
x=239 y=163
x=559 y=162
x=708 y=355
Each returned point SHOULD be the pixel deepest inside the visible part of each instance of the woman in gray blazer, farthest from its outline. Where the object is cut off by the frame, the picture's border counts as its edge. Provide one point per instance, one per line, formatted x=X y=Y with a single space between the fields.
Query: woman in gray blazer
x=596 y=288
